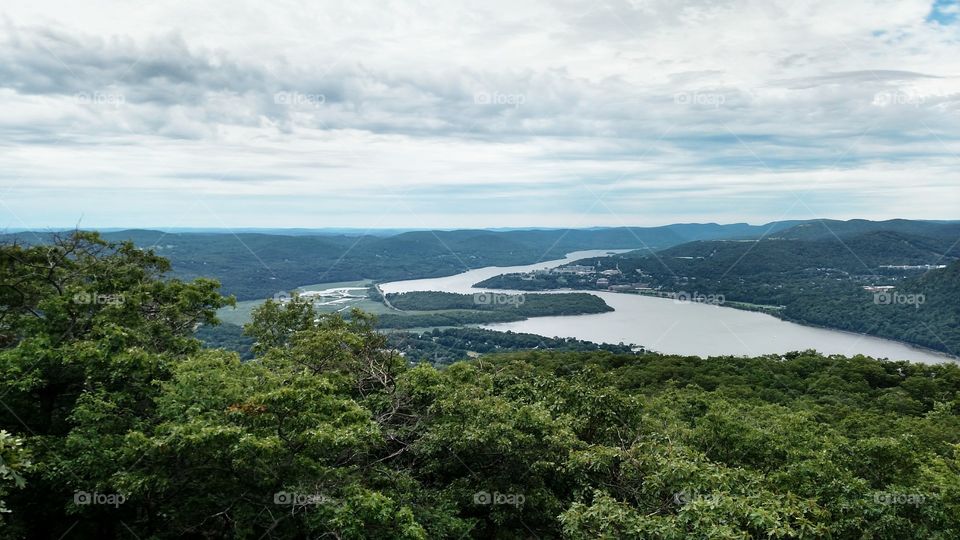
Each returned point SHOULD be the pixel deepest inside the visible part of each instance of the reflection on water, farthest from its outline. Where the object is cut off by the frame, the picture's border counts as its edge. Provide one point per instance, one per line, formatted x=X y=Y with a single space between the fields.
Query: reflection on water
x=675 y=328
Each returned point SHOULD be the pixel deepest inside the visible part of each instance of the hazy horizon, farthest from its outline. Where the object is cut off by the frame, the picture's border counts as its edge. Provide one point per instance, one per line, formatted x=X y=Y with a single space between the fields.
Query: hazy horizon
x=397 y=230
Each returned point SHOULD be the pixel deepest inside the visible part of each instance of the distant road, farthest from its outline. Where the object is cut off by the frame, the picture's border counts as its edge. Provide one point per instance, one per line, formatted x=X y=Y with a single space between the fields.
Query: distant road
x=384 y=296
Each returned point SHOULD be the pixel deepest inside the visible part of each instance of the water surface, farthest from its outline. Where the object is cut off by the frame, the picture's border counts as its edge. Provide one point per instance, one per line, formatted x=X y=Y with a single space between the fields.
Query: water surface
x=666 y=326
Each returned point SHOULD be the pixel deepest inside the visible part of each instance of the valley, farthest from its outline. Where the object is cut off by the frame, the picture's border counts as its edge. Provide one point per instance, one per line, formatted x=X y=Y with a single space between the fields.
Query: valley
x=767 y=276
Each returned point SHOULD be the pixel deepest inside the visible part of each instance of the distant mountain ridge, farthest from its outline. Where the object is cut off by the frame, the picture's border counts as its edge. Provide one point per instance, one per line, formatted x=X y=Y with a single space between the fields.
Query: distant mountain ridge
x=829 y=228
x=862 y=254
x=256 y=265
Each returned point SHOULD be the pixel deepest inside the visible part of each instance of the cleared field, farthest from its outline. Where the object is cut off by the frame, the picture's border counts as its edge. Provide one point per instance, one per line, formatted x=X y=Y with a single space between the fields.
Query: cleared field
x=336 y=285
x=328 y=298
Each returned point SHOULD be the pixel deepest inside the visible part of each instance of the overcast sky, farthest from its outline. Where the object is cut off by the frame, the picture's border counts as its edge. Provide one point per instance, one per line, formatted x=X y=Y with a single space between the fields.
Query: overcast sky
x=476 y=114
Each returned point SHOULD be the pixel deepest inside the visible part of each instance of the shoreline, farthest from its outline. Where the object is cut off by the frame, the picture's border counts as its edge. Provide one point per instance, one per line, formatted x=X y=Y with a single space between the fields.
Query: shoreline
x=740 y=306
x=733 y=305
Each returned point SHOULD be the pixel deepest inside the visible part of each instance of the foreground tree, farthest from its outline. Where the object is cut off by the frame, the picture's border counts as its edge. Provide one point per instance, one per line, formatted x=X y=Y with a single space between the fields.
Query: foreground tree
x=88 y=329
x=120 y=425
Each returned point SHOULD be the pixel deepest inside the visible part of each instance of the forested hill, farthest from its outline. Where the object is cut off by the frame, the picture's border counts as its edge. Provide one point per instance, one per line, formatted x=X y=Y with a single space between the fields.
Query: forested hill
x=822 y=281
x=860 y=254
x=116 y=424
x=831 y=228
x=257 y=265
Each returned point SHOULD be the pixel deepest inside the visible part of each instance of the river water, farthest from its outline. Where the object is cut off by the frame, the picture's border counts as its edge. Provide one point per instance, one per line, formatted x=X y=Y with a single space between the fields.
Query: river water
x=664 y=325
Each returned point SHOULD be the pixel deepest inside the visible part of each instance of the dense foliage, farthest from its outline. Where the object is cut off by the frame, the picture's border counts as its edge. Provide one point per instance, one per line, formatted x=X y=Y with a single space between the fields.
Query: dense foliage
x=120 y=425
x=524 y=305
x=450 y=309
x=440 y=347
x=456 y=317
x=436 y=346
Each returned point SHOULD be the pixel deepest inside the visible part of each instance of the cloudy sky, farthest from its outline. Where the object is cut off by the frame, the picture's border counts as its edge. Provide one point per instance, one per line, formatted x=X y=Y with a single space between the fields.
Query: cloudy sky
x=476 y=114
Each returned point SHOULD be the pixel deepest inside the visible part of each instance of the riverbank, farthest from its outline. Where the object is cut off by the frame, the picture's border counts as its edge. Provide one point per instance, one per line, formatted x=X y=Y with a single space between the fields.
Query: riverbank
x=690 y=328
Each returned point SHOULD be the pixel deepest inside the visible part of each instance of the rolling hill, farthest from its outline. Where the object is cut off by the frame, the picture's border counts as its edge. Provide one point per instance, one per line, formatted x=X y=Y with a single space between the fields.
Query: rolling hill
x=255 y=265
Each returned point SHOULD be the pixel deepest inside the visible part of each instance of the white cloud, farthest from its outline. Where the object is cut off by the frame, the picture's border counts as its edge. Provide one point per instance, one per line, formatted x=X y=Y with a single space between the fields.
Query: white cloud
x=706 y=111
